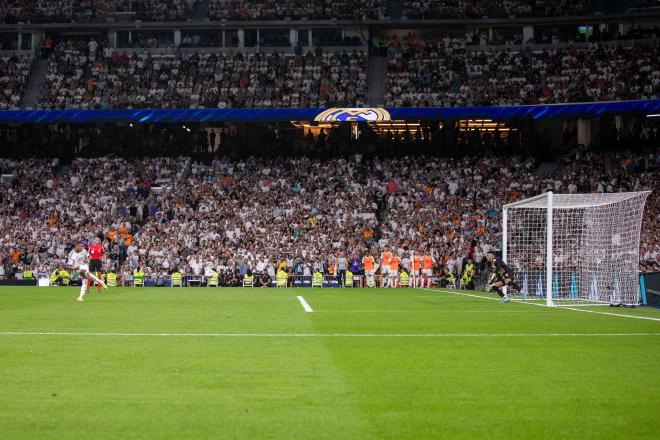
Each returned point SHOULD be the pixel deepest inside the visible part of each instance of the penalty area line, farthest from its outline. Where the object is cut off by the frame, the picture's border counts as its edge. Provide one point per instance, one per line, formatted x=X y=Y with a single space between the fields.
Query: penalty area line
x=304 y=304
x=648 y=318
x=331 y=335
x=610 y=314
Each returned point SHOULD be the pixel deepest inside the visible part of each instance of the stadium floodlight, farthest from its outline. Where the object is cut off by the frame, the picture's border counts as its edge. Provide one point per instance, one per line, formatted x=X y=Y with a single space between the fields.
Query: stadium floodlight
x=573 y=249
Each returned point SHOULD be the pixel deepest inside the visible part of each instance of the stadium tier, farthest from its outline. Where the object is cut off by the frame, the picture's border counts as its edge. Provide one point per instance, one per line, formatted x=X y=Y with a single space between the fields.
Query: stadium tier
x=420 y=73
x=230 y=215
x=202 y=80
x=443 y=73
x=66 y=11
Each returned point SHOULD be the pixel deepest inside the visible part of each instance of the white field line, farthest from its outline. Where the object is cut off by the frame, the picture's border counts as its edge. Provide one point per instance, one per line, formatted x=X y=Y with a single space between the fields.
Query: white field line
x=304 y=304
x=487 y=297
x=610 y=314
x=416 y=311
x=331 y=335
x=648 y=318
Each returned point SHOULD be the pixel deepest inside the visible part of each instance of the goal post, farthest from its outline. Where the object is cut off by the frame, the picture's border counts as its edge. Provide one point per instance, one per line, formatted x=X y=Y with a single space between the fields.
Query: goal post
x=571 y=249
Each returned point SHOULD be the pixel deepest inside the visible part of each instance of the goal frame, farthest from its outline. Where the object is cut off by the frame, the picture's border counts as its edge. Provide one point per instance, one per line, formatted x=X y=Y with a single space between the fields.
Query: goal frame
x=548 y=197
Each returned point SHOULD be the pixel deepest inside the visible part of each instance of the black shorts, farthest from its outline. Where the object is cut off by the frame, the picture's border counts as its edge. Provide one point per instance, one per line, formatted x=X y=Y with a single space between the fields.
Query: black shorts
x=95 y=266
x=494 y=278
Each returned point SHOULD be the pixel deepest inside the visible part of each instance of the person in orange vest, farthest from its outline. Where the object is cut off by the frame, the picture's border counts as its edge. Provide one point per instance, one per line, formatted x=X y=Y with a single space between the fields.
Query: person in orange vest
x=393 y=279
x=368 y=263
x=415 y=264
x=427 y=268
x=385 y=259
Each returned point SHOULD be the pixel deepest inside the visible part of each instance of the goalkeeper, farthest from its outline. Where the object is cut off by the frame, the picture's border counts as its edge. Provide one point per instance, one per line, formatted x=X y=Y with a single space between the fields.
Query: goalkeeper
x=500 y=278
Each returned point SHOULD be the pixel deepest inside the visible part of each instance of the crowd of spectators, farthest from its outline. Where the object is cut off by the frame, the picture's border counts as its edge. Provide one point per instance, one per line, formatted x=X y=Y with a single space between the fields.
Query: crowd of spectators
x=233 y=215
x=296 y=9
x=96 y=77
x=641 y=4
x=163 y=10
x=66 y=11
x=460 y=9
x=443 y=71
x=421 y=71
x=14 y=74
x=36 y=11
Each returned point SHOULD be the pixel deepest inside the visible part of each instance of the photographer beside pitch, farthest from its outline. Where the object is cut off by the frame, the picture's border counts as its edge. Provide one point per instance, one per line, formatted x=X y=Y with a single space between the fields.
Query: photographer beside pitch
x=501 y=277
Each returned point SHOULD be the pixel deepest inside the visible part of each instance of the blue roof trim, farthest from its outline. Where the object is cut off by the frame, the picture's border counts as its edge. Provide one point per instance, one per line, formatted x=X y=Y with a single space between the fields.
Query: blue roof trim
x=308 y=114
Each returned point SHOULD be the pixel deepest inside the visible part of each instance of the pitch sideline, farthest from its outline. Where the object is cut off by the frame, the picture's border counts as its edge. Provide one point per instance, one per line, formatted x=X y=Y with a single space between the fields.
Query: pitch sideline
x=330 y=335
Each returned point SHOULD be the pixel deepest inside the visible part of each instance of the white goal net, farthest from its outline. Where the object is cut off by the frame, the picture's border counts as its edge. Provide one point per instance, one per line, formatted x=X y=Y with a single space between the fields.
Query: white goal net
x=575 y=248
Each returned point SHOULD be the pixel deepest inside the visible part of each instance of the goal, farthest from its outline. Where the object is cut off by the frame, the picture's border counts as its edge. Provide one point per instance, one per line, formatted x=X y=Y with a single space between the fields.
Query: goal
x=575 y=249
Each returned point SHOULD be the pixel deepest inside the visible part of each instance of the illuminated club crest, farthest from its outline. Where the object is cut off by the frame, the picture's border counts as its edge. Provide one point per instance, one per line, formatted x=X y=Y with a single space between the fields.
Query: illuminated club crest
x=353 y=114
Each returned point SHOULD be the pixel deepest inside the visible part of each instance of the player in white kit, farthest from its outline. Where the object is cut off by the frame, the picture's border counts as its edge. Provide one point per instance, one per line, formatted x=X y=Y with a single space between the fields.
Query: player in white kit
x=77 y=261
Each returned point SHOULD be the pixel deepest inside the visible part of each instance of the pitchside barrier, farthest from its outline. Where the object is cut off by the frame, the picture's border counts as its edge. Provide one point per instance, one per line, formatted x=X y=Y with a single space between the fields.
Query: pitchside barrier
x=295 y=281
x=648 y=285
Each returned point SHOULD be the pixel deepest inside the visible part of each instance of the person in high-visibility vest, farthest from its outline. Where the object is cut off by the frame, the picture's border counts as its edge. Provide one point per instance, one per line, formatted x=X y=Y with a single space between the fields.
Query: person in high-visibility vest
x=404 y=279
x=317 y=279
x=447 y=278
x=54 y=277
x=111 y=279
x=214 y=280
x=348 y=279
x=282 y=278
x=65 y=277
x=138 y=277
x=248 y=279
x=468 y=273
x=27 y=274
x=176 y=279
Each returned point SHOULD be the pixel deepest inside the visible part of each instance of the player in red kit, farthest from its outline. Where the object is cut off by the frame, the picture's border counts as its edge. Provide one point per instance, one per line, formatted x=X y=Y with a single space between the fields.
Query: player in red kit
x=96 y=253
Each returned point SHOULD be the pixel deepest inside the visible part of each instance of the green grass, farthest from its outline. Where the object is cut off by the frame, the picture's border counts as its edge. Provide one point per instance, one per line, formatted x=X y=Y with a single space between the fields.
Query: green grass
x=308 y=379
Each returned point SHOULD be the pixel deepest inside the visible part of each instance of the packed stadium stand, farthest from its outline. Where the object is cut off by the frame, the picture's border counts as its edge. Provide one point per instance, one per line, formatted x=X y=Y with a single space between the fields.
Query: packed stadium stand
x=14 y=75
x=201 y=80
x=421 y=72
x=444 y=72
x=296 y=9
x=161 y=213
x=438 y=9
x=66 y=11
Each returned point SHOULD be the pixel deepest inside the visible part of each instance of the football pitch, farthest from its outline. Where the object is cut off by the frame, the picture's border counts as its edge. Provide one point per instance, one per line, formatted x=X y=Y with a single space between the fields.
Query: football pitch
x=357 y=364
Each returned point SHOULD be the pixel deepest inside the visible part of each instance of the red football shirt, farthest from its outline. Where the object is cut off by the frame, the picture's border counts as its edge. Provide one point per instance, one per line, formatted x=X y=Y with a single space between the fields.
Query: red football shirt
x=96 y=251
